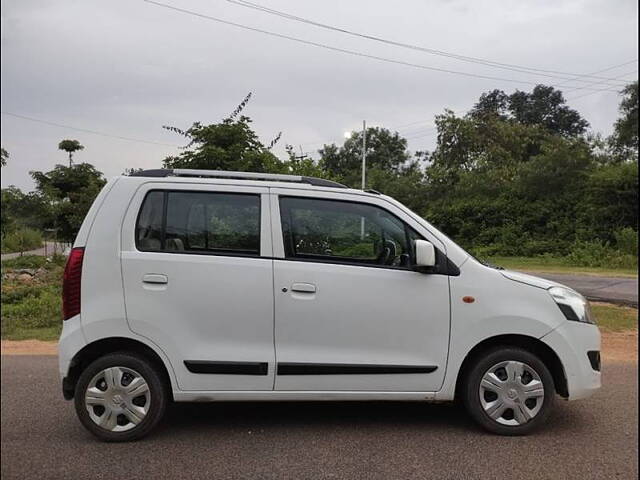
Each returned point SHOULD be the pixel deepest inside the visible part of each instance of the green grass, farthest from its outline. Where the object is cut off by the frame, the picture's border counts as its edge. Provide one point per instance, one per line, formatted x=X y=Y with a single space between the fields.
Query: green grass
x=32 y=309
x=557 y=265
x=615 y=318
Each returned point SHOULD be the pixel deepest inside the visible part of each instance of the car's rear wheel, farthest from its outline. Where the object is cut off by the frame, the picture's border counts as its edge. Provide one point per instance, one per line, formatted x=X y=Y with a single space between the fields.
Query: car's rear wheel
x=120 y=397
x=509 y=391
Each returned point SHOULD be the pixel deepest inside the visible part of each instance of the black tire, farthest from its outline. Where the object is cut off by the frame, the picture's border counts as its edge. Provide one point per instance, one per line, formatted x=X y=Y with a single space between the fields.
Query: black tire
x=158 y=395
x=471 y=390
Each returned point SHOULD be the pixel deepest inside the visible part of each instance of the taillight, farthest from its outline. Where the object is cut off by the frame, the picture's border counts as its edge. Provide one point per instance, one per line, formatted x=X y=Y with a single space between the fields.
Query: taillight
x=71 y=282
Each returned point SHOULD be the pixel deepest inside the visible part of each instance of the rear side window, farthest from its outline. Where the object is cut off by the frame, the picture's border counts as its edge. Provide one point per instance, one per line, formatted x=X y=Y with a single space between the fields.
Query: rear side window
x=345 y=232
x=199 y=222
x=149 y=225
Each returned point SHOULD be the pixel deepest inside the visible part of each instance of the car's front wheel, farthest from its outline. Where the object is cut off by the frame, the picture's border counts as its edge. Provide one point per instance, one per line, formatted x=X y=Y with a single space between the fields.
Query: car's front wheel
x=509 y=391
x=120 y=397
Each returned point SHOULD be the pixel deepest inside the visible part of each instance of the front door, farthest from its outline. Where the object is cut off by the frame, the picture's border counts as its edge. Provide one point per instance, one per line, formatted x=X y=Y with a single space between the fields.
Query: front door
x=198 y=282
x=350 y=314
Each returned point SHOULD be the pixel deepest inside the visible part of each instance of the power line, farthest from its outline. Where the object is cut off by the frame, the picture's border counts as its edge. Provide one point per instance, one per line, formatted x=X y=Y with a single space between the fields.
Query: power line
x=598 y=83
x=591 y=93
x=93 y=132
x=464 y=58
x=335 y=49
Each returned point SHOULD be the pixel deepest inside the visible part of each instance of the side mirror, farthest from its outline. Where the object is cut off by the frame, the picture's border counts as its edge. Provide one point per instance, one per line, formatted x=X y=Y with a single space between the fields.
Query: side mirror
x=425 y=254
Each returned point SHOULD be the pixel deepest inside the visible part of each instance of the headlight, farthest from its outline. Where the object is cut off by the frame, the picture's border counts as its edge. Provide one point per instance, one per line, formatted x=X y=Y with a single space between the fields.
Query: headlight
x=574 y=306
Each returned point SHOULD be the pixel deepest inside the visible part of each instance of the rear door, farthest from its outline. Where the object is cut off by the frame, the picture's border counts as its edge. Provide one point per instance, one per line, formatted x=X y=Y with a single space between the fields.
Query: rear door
x=198 y=281
x=350 y=313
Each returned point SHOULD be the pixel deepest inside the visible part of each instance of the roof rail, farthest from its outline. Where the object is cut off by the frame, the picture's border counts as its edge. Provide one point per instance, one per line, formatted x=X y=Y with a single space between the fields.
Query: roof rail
x=276 y=177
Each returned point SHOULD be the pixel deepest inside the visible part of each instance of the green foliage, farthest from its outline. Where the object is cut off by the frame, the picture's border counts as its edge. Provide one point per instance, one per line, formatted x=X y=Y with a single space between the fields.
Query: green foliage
x=627 y=241
x=625 y=137
x=390 y=167
x=544 y=106
x=228 y=145
x=70 y=146
x=503 y=183
x=21 y=240
x=32 y=306
x=35 y=261
x=599 y=254
x=610 y=200
x=4 y=156
x=24 y=210
x=70 y=191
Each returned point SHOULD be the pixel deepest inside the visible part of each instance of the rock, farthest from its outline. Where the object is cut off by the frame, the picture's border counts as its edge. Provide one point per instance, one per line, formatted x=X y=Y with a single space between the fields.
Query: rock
x=27 y=271
x=24 y=277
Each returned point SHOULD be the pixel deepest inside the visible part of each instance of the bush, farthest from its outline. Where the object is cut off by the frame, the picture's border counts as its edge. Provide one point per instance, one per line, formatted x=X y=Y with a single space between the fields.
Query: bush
x=21 y=240
x=35 y=261
x=32 y=305
x=599 y=254
x=627 y=241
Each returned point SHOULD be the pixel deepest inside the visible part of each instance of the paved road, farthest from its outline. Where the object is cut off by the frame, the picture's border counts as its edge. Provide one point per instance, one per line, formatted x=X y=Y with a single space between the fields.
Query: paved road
x=605 y=289
x=41 y=438
x=48 y=249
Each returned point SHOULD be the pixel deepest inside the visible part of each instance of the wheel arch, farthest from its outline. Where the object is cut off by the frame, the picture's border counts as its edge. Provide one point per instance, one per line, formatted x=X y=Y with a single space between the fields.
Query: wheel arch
x=531 y=344
x=98 y=348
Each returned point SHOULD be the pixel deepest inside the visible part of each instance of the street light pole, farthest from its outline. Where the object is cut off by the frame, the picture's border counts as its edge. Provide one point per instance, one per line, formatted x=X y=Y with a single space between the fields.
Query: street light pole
x=364 y=170
x=364 y=154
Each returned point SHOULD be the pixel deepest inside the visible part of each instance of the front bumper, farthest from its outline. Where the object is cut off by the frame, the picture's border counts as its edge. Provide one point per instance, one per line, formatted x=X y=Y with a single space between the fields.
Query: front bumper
x=572 y=342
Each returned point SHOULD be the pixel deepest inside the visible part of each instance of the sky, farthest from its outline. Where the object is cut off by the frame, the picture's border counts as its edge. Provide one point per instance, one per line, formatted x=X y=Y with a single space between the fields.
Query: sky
x=125 y=68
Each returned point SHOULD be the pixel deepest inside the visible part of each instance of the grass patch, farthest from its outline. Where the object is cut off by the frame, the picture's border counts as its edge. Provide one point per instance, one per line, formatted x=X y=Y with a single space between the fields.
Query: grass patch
x=615 y=318
x=45 y=334
x=31 y=308
x=557 y=265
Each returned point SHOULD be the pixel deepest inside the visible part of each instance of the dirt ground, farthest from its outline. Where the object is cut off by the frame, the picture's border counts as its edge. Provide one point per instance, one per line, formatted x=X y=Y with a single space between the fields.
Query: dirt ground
x=616 y=347
x=28 y=347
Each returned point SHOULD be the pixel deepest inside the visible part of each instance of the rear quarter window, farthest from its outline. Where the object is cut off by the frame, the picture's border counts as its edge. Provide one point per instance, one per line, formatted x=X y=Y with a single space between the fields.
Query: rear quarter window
x=199 y=222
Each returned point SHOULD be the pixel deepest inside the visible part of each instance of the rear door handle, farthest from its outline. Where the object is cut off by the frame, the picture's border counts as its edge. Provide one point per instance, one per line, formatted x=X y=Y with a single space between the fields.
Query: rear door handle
x=303 y=287
x=156 y=278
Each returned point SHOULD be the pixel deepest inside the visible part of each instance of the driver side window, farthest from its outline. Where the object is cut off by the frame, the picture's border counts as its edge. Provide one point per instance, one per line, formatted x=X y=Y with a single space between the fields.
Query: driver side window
x=345 y=232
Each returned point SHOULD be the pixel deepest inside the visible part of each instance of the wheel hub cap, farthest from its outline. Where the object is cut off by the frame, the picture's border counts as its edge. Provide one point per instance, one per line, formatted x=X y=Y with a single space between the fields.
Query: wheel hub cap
x=511 y=393
x=117 y=399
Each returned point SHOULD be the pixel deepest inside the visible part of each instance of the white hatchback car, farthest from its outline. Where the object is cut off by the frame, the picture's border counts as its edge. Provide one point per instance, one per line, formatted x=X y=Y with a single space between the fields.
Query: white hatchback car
x=195 y=285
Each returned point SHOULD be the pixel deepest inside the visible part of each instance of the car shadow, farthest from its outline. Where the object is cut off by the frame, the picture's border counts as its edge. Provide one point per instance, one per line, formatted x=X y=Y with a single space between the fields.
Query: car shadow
x=232 y=416
x=294 y=415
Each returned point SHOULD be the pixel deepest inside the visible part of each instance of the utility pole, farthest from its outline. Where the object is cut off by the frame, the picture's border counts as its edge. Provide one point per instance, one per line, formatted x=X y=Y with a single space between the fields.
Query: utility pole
x=364 y=170
x=364 y=154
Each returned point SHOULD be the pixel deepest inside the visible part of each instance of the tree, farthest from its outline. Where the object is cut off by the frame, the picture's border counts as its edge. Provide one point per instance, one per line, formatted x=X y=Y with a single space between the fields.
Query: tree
x=544 y=106
x=391 y=168
x=70 y=191
x=25 y=210
x=70 y=146
x=512 y=186
x=228 y=145
x=4 y=156
x=625 y=137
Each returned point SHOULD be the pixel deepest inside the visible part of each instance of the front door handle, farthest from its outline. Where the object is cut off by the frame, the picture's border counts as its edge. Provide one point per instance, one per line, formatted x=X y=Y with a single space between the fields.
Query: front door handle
x=303 y=287
x=156 y=278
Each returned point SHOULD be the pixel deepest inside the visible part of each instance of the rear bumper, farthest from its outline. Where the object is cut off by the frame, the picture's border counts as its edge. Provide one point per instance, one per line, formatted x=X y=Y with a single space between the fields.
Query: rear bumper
x=573 y=342
x=71 y=342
